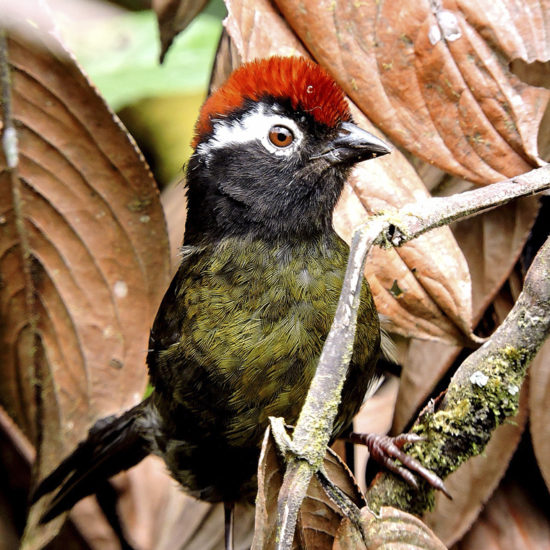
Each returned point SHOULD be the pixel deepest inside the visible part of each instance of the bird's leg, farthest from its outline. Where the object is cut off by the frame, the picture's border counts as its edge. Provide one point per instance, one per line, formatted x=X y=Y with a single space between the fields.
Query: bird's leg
x=229 y=515
x=388 y=450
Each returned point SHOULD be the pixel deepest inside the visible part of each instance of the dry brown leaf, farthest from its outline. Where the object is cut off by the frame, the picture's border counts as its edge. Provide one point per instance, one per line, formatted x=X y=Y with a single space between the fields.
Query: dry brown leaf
x=209 y=534
x=509 y=521
x=258 y=30
x=157 y=515
x=174 y=202
x=17 y=456
x=426 y=364
x=391 y=529
x=492 y=243
x=144 y=494
x=317 y=520
x=270 y=479
x=319 y=517
x=189 y=524
x=434 y=76
x=97 y=252
x=92 y=526
x=226 y=61
x=539 y=400
x=173 y=17
x=185 y=518
x=431 y=271
x=474 y=482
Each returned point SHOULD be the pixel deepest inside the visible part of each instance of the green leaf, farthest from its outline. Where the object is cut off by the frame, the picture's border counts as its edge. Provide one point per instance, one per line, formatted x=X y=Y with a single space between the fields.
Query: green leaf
x=120 y=54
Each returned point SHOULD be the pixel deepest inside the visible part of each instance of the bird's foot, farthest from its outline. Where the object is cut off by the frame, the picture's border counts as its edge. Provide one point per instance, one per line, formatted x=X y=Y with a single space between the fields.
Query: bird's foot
x=388 y=451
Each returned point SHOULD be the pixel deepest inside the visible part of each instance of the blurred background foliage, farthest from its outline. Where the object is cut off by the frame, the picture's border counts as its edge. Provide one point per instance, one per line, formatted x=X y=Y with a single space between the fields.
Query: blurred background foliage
x=157 y=103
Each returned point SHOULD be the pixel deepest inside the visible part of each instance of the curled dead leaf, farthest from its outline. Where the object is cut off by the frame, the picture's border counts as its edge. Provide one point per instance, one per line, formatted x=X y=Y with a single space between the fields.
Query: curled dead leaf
x=538 y=403
x=511 y=520
x=492 y=243
x=426 y=364
x=173 y=17
x=391 y=529
x=319 y=517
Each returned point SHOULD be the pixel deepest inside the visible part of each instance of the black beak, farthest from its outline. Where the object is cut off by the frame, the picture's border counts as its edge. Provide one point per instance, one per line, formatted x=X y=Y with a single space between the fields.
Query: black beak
x=351 y=145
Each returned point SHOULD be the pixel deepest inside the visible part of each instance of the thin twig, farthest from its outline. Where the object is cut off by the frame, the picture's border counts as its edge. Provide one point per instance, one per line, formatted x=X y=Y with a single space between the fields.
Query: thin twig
x=314 y=427
x=417 y=218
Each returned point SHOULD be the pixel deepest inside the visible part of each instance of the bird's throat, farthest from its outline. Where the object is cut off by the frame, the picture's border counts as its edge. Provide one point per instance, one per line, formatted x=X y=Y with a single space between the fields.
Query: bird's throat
x=299 y=210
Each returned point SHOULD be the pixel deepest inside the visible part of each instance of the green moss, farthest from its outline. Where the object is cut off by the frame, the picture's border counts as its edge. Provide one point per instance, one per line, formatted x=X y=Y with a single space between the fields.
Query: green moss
x=483 y=395
x=439 y=429
x=474 y=407
x=400 y=495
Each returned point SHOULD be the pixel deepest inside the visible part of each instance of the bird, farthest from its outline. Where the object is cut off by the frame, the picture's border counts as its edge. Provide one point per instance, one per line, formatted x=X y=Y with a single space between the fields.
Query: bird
x=241 y=327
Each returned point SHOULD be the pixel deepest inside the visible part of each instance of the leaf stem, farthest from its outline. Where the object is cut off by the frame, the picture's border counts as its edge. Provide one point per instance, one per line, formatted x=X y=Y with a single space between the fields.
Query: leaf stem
x=11 y=153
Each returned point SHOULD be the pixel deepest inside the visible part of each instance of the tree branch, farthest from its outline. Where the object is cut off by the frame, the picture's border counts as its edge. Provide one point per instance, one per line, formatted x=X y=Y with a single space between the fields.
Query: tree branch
x=314 y=428
x=417 y=218
x=481 y=395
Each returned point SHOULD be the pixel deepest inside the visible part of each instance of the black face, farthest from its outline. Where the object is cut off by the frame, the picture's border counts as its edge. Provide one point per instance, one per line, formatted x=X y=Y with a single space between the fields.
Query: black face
x=272 y=171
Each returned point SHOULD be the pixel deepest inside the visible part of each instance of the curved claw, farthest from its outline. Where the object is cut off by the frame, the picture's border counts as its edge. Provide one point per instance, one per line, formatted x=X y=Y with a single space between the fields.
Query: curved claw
x=387 y=451
x=402 y=439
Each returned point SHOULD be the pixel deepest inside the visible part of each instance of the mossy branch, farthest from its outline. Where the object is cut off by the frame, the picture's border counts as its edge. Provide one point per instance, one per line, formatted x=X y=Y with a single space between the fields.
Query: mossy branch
x=481 y=395
x=314 y=428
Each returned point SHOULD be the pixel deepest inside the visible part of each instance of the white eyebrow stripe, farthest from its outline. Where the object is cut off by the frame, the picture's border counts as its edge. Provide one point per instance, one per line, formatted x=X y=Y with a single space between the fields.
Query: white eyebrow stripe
x=252 y=126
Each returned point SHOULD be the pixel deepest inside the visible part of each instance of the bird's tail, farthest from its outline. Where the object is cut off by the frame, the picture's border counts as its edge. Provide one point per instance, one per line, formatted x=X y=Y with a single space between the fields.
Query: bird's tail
x=113 y=444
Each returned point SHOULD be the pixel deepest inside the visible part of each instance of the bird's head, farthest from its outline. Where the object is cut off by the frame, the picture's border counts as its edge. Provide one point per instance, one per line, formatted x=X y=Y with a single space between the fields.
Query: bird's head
x=273 y=148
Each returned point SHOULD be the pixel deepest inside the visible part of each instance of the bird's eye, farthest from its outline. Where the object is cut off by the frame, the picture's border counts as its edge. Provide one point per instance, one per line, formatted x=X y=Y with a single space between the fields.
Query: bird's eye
x=280 y=136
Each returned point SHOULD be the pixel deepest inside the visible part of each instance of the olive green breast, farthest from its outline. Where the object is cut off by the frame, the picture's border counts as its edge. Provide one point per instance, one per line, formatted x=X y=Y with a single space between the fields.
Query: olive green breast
x=239 y=335
x=253 y=317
